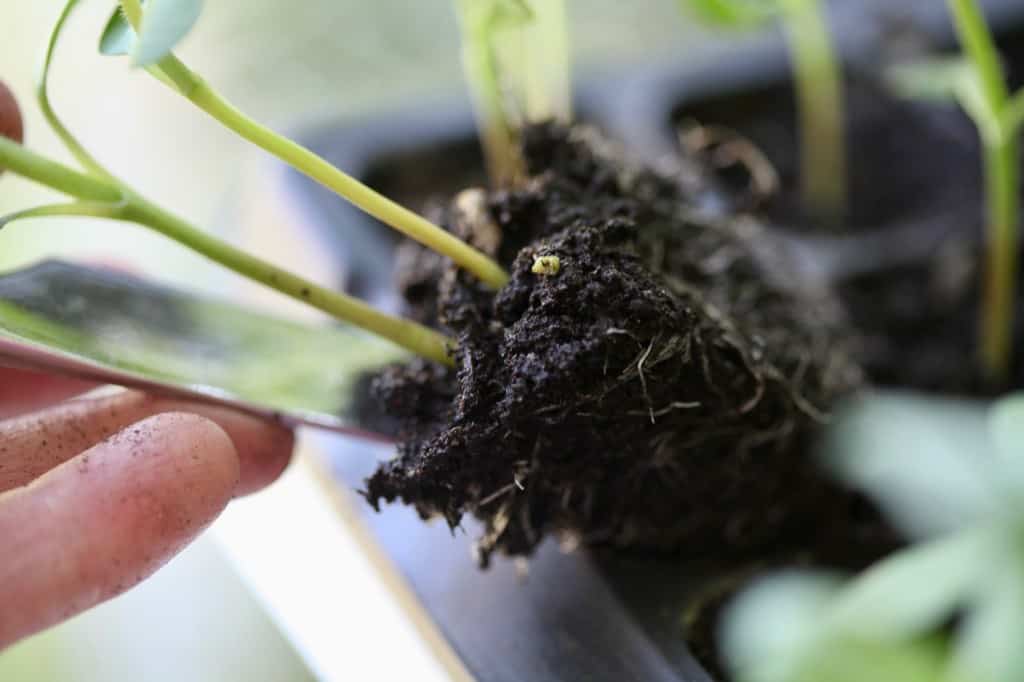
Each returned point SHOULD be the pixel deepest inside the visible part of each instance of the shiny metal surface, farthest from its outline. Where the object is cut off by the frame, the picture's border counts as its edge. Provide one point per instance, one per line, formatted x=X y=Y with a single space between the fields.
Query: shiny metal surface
x=115 y=328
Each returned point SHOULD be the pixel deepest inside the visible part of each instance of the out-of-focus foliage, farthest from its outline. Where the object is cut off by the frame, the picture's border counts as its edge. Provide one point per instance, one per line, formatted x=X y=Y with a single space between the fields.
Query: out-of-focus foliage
x=951 y=476
x=733 y=13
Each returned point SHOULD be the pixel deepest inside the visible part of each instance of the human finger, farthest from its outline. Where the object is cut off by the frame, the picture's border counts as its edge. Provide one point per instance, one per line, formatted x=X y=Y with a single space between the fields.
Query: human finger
x=108 y=518
x=23 y=390
x=32 y=444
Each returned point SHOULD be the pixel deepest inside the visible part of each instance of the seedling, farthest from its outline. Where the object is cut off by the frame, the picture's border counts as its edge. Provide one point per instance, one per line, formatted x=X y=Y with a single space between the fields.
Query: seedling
x=516 y=58
x=152 y=51
x=98 y=193
x=951 y=476
x=977 y=81
x=546 y=265
x=819 y=91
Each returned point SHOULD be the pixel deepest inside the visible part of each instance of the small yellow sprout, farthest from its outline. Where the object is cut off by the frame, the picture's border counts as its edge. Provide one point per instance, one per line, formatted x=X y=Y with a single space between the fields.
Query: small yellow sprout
x=546 y=265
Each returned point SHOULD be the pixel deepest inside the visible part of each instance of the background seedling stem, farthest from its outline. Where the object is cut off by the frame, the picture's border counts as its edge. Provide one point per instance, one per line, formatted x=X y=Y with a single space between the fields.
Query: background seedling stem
x=820 y=106
x=986 y=97
x=515 y=55
x=818 y=81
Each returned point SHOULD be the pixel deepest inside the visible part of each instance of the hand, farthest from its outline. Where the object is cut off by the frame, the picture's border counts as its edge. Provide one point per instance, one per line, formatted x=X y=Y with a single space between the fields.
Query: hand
x=97 y=493
x=11 y=124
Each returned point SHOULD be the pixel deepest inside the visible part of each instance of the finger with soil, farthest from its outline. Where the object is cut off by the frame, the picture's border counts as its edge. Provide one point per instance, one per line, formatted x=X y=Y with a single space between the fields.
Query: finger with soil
x=31 y=445
x=105 y=520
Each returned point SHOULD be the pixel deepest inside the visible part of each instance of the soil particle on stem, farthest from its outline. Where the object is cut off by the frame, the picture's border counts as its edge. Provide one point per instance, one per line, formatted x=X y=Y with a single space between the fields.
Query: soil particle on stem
x=657 y=392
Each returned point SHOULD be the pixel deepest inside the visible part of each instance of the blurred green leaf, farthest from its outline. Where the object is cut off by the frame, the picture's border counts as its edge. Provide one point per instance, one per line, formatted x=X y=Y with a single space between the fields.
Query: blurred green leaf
x=953 y=79
x=1007 y=427
x=118 y=38
x=990 y=647
x=873 y=661
x=907 y=453
x=941 y=78
x=773 y=626
x=733 y=13
x=164 y=24
x=937 y=466
x=914 y=590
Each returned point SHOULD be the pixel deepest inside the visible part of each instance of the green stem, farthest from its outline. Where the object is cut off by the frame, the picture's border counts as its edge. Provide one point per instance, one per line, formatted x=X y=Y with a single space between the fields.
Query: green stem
x=1002 y=175
x=999 y=135
x=1013 y=115
x=479 y=61
x=410 y=335
x=123 y=204
x=547 y=58
x=20 y=160
x=489 y=30
x=377 y=205
x=43 y=97
x=819 y=91
x=171 y=70
x=981 y=48
x=133 y=12
x=77 y=209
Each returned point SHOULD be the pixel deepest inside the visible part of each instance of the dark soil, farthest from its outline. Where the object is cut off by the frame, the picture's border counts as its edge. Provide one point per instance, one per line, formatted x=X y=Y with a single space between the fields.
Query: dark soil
x=905 y=158
x=919 y=323
x=658 y=392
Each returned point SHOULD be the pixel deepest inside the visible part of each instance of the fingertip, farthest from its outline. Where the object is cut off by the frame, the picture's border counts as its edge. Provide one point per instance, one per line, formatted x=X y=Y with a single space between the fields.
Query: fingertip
x=38 y=442
x=208 y=469
x=264 y=464
x=264 y=448
x=105 y=520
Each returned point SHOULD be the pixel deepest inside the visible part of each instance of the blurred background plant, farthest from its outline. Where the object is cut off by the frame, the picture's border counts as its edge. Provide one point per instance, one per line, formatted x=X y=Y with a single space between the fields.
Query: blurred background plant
x=818 y=82
x=949 y=607
x=976 y=79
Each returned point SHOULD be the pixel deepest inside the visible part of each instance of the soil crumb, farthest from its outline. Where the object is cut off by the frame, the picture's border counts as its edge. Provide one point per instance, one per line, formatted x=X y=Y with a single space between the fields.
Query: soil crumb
x=657 y=390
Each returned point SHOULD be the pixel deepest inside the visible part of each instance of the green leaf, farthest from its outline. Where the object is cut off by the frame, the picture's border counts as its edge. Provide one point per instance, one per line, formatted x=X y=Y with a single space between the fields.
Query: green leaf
x=733 y=13
x=914 y=590
x=773 y=627
x=164 y=24
x=908 y=453
x=118 y=38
